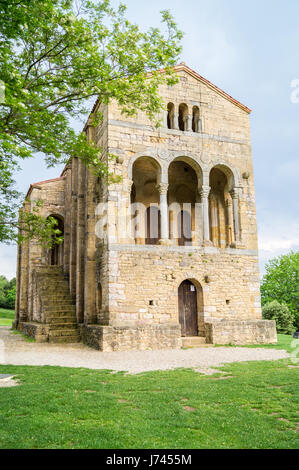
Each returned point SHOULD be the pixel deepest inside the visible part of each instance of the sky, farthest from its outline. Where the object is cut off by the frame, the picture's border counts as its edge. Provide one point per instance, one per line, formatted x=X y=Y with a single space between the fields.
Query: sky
x=250 y=50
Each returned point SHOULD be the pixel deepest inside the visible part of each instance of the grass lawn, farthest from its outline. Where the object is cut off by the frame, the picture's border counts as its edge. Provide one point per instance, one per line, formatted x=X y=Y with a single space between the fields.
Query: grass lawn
x=6 y=317
x=283 y=342
x=249 y=405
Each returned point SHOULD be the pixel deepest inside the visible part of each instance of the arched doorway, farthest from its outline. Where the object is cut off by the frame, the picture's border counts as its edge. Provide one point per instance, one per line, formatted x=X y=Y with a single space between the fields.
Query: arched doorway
x=55 y=256
x=188 y=308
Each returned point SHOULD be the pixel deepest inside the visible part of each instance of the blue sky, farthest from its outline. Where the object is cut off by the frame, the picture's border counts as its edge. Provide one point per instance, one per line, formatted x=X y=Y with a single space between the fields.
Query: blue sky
x=250 y=49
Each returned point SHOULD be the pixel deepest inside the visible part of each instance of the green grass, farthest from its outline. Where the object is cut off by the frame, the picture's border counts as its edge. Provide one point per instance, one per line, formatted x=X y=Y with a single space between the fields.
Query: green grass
x=283 y=342
x=249 y=405
x=6 y=317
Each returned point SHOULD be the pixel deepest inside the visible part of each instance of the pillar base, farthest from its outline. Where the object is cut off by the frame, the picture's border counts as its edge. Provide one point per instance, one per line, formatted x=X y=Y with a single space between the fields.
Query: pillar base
x=164 y=242
x=207 y=243
x=237 y=245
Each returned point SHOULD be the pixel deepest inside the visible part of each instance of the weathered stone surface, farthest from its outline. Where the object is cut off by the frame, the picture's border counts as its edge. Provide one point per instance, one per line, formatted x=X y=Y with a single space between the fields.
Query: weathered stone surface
x=241 y=332
x=123 y=283
x=109 y=338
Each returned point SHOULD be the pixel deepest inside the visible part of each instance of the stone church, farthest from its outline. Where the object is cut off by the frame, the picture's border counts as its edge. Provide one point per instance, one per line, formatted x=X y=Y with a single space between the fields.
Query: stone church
x=166 y=255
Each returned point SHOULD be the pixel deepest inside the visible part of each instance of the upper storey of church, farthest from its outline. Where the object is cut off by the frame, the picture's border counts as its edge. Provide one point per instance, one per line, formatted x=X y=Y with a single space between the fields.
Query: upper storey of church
x=194 y=106
x=203 y=137
x=199 y=120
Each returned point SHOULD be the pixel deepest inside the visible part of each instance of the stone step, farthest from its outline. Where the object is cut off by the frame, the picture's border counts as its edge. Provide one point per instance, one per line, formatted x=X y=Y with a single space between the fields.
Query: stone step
x=59 y=302
x=65 y=339
x=62 y=326
x=56 y=320
x=61 y=320
x=58 y=305
x=56 y=311
x=56 y=298
x=64 y=332
x=193 y=341
x=55 y=287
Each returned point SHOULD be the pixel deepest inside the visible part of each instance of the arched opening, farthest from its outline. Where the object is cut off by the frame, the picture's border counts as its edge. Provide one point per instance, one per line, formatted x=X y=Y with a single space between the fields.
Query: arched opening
x=170 y=116
x=146 y=198
x=152 y=225
x=188 y=309
x=182 y=198
x=55 y=254
x=196 y=119
x=183 y=116
x=220 y=208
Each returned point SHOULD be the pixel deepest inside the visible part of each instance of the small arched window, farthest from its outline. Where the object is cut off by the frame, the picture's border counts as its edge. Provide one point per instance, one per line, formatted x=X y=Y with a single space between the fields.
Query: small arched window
x=183 y=116
x=196 y=124
x=170 y=116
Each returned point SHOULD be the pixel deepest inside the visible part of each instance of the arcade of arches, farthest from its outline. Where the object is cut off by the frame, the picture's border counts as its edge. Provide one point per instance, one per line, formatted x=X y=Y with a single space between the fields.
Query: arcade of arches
x=181 y=211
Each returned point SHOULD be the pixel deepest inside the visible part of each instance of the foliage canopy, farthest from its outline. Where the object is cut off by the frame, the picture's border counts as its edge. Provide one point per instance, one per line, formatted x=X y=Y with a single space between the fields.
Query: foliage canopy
x=55 y=56
x=281 y=283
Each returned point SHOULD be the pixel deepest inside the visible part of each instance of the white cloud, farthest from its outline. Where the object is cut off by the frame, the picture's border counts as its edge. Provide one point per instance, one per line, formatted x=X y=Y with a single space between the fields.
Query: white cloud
x=277 y=237
x=8 y=260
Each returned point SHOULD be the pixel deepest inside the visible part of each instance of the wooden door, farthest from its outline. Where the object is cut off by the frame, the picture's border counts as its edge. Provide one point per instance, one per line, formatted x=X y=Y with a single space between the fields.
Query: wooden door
x=188 y=309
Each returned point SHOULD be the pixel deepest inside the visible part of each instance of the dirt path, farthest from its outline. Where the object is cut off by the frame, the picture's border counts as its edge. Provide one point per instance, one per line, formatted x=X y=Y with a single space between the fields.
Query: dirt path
x=14 y=349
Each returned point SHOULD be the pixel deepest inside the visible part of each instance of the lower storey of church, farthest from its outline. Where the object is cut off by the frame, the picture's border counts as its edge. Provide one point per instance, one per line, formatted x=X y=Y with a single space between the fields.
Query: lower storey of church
x=147 y=297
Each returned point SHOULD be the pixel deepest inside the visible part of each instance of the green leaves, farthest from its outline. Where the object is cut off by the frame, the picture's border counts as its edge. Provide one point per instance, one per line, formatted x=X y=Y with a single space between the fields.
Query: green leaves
x=281 y=283
x=55 y=55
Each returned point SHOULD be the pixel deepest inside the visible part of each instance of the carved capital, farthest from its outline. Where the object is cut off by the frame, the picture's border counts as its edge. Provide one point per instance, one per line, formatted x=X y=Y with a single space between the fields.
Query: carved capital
x=129 y=185
x=162 y=188
x=204 y=192
x=235 y=193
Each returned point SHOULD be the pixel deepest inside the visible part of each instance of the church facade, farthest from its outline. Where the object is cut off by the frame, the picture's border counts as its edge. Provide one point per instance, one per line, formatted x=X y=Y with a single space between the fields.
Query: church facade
x=166 y=255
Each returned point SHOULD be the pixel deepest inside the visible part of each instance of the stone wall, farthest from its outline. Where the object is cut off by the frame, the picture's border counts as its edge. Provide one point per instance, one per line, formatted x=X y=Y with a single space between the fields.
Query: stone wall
x=144 y=282
x=139 y=338
x=241 y=332
x=38 y=331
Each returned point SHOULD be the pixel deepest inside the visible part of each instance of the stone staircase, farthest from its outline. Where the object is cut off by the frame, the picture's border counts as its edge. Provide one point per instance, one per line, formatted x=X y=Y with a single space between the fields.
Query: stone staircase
x=59 y=310
x=195 y=342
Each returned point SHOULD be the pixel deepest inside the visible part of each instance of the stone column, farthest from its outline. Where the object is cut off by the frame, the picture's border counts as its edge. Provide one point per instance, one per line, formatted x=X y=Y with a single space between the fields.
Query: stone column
x=67 y=218
x=126 y=217
x=214 y=222
x=163 y=188
x=90 y=285
x=230 y=219
x=176 y=121
x=189 y=122
x=24 y=274
x=204 y=193
x=235 y=198
x=73 y=227
x=80 y=242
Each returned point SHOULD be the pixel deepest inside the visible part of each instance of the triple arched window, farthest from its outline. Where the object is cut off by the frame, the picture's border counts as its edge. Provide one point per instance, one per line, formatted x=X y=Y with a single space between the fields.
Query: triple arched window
x=184 y=120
